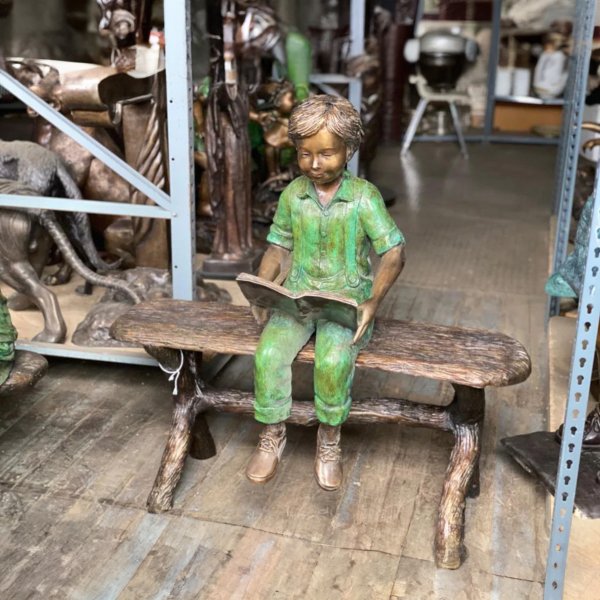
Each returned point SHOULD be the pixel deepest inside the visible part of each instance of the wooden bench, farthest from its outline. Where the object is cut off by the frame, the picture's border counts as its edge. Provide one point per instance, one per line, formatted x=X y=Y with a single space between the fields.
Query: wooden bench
x=177 y=332
x=27 y=370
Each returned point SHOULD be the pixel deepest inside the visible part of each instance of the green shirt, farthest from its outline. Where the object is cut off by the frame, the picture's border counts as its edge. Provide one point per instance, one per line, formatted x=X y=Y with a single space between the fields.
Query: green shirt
x=331 y=244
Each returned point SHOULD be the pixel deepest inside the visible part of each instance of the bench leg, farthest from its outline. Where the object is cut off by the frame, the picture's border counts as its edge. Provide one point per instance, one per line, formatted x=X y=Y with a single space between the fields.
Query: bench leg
x=462 y=476
x=187 y=405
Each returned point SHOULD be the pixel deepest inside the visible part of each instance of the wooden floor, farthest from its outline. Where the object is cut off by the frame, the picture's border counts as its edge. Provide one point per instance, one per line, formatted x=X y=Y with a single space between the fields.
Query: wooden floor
x=79 y=454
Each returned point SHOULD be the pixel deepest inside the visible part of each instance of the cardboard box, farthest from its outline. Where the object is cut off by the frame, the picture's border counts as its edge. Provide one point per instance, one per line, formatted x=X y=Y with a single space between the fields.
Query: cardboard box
x=521 y=118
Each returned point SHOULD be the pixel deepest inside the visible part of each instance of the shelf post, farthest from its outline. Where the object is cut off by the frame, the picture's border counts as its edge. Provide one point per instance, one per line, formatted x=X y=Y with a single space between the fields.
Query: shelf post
x=566 y=169
x=488 y=125
x=582 y=362
x=180 y=136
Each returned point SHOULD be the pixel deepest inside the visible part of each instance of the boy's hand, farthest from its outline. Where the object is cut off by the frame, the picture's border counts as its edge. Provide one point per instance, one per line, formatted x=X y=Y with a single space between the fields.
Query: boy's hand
x=390 y=267
x=366 y=314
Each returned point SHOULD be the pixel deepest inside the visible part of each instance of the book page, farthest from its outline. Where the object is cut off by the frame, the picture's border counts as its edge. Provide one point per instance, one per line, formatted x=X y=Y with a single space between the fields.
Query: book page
x=303 y=306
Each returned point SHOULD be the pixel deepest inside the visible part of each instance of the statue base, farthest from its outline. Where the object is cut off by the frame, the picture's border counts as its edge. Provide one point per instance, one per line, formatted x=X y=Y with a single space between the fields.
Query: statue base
x=215 y=267
x=538 y=453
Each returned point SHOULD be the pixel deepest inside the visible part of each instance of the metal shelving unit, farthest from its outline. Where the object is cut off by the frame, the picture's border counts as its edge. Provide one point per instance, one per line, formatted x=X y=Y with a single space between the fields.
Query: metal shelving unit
x=177 y=207
x=488 y=134
x=566 y=167
x=488 y=129
x=589 y=306
x=531 y=100
x=357 y=46
x=582 y=361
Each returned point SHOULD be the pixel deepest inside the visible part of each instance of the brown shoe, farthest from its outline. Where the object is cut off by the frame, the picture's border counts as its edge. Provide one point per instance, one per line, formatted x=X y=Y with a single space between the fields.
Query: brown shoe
x=264 y=461
x=328 y=462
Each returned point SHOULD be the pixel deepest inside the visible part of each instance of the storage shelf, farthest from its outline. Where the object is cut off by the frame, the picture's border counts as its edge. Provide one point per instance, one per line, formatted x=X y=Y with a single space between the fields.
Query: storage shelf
x=531 y=100
x=515 y=137
x=523 y=32
x=490 y=134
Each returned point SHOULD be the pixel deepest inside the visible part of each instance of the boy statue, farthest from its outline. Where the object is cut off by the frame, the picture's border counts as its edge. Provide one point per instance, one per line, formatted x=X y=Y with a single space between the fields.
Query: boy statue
x=328 y=219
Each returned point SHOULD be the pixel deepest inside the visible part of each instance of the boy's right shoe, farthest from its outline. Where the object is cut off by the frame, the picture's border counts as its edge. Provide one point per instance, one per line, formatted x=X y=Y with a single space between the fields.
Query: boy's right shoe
x=266 y=457
x=328 y=461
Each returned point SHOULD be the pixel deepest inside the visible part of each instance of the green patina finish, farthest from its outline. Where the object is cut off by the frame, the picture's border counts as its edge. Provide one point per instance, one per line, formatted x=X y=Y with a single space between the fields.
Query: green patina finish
x=335 y=355
x=299 y=63
x=331 y=243
x=8 y=335
x=330 y=246
x=568 y=279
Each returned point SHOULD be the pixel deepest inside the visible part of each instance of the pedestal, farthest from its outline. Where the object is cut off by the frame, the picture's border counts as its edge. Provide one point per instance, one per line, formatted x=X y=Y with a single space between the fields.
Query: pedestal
x=538 y=453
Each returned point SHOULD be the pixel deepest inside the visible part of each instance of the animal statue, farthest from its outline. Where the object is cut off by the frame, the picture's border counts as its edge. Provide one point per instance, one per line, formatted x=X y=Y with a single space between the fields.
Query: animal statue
x=26 y=234
x=44 y=172
x=149 y=284
x=95 y=180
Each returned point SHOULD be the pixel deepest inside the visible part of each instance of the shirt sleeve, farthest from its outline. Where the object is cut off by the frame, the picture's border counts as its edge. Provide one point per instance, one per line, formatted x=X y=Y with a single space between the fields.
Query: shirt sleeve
x=377 y=222
x=281 y=228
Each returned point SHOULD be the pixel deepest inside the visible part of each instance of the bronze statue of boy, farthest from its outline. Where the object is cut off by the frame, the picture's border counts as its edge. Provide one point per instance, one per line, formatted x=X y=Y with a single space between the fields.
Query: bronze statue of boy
x=328 y=219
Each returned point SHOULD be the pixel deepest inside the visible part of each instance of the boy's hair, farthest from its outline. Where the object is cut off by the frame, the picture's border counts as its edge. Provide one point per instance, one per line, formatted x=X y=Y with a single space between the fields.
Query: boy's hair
x=334 y=113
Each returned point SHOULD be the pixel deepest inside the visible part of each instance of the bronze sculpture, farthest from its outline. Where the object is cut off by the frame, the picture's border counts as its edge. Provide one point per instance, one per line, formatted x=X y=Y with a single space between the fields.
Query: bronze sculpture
x=329 y=219
x=8 y=335
x=228 y=151
x=44 y=172
x=26 y=235
x=148 y=284
x=111 y=106
x=274 y=122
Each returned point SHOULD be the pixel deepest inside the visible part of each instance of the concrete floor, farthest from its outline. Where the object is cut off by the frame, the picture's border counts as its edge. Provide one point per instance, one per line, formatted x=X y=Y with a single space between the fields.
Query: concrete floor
x=79 y=454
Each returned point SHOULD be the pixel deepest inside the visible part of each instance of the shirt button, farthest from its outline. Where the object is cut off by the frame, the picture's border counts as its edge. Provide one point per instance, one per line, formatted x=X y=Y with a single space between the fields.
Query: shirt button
x=326 y=213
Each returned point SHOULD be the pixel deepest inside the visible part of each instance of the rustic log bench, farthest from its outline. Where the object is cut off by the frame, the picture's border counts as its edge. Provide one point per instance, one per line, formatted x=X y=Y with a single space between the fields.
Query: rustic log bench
x=27 y=370
x=178 y=332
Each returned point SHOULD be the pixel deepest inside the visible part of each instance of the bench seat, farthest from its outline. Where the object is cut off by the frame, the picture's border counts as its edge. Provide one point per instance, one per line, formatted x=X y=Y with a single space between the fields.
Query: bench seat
x=471 y=357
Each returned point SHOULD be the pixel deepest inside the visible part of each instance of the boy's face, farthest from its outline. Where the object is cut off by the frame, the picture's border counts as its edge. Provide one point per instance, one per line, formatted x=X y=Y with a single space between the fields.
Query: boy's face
x=322 y=157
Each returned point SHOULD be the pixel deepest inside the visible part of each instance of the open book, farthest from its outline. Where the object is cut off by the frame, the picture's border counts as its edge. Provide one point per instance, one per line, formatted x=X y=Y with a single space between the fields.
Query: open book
x=303 y=306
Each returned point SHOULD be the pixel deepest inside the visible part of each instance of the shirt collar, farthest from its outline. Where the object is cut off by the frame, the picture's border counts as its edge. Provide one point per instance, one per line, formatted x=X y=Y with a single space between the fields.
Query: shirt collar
x=345 y=193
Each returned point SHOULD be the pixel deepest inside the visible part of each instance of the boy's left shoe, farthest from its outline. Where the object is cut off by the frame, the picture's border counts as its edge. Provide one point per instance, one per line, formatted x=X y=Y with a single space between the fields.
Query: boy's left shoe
x=328 y=462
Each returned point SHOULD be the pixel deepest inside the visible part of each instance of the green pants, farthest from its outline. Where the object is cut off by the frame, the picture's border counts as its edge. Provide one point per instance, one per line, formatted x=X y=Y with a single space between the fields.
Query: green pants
x=7 y=338
x=335 y=356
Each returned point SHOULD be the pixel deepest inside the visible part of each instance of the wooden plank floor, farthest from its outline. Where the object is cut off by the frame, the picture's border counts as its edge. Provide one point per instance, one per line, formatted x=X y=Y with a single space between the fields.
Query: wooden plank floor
x=78 y=455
